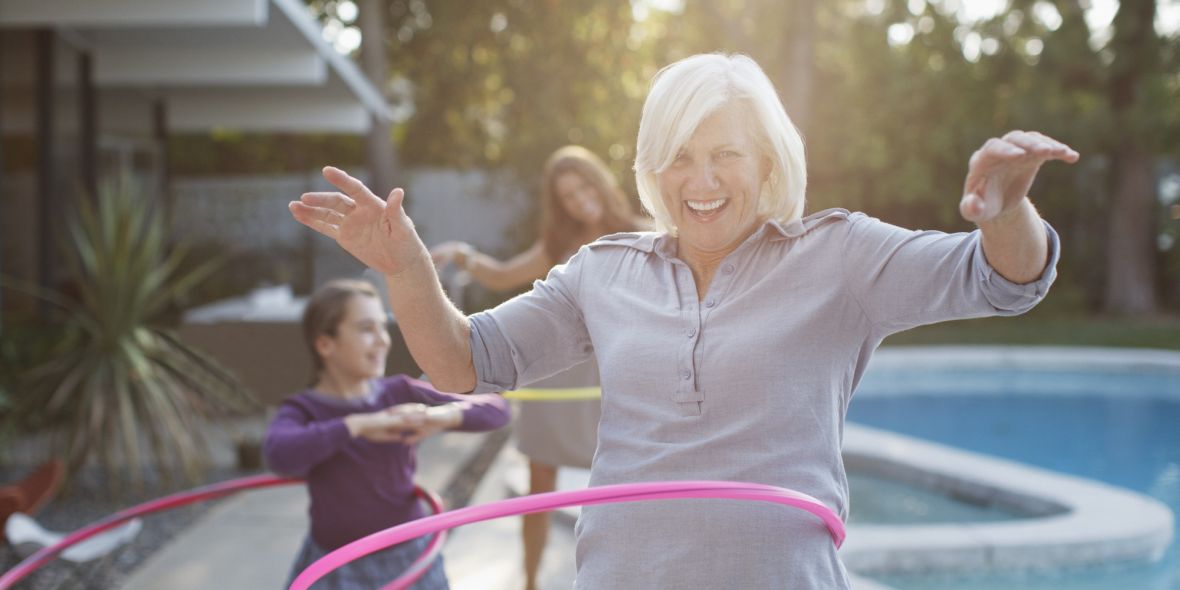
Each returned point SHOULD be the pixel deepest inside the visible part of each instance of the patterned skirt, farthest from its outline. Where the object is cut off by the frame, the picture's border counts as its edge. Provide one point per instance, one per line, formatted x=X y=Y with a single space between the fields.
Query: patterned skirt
x=374 y=570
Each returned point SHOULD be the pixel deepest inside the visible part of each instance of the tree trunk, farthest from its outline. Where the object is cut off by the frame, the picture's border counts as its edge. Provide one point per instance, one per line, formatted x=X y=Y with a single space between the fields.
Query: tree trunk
x=380 y=155
x=1130 y=246
x=800 y=63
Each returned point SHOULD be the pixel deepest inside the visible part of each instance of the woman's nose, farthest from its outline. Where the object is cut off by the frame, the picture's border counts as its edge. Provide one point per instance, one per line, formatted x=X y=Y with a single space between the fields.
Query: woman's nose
x=704 y=177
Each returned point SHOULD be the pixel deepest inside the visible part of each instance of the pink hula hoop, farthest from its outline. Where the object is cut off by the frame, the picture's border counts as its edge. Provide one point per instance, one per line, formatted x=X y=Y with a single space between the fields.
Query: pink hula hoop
x=201 y=494
x=666 y=490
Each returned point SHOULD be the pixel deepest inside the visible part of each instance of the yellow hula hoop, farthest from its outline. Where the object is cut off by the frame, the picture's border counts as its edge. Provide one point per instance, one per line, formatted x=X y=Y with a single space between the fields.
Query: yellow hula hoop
x=555 y=395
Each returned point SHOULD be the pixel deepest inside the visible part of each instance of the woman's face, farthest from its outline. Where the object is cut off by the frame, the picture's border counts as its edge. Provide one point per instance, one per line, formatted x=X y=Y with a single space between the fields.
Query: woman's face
x=578 y=197
x=361 y=344
x=712 y=187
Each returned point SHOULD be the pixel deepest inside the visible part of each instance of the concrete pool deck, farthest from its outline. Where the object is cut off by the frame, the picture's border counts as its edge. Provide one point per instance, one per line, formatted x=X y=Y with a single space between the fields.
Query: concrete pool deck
x=1071 y=521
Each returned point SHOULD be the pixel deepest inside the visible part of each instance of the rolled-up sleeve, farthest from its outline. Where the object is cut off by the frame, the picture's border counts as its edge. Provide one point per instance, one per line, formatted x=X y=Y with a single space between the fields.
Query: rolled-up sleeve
x=1015 y=298
x=903 y=279
x=533 y=335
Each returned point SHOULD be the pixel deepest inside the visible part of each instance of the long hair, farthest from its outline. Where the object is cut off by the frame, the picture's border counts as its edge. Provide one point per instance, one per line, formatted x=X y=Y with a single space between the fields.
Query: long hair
x=325 y=310
x=559 y=232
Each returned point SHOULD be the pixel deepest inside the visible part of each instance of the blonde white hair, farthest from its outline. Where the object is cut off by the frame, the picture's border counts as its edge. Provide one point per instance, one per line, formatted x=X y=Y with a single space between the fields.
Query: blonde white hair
x=683 y=95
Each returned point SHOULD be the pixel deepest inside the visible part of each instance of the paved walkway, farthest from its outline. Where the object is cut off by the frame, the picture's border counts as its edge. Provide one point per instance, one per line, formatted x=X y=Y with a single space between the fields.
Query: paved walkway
x=247 y=542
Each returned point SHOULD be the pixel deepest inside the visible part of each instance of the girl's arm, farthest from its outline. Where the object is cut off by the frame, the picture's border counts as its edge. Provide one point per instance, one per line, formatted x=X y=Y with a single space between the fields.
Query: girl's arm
x=294 y=444
x=468 y=413
x=522 y=269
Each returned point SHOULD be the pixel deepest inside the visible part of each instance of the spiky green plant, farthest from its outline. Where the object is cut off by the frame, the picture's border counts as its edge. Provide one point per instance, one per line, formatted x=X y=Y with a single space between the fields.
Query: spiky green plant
x=119 y=379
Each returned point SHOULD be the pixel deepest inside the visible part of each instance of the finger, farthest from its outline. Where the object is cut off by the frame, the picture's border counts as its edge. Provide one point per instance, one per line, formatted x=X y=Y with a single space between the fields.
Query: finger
x=996 y=151
x=384 y=437
x=338 y=202
x=1041 y=146
x=1059 y=150
x=350 y=186
x=316 y=219
x=1035 y=145
x=321 y=214
x=974 y=208
x=394 y=201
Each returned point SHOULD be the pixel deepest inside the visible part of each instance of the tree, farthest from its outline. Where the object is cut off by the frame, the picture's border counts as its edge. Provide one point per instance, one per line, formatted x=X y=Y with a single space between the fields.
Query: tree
x=379 y=149
x=1130 y=280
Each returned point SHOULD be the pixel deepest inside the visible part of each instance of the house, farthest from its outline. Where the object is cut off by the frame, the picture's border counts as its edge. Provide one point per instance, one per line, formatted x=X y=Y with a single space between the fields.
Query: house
x=92 y=89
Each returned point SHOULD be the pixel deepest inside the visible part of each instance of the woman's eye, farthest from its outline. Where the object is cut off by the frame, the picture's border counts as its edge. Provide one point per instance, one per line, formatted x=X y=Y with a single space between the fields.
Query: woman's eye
x=727 y=154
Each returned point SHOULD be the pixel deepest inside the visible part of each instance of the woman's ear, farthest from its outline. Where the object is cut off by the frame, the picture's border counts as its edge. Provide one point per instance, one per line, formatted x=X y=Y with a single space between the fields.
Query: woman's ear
x=767 y=168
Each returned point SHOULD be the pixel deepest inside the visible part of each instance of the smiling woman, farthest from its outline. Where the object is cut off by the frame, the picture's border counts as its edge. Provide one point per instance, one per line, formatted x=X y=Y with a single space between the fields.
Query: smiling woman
x=711 y=191
x=730 y=340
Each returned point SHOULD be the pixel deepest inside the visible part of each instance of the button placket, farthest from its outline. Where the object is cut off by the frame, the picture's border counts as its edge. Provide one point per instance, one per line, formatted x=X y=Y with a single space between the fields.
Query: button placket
x=685 y=394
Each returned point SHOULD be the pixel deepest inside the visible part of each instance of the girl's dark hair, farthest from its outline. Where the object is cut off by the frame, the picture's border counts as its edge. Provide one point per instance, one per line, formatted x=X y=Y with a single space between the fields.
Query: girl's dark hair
x=325 y=310
x=559 y=232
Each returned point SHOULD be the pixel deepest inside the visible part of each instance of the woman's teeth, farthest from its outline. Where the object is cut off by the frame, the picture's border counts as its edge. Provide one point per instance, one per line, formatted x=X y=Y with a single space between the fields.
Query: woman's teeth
x=705 y=205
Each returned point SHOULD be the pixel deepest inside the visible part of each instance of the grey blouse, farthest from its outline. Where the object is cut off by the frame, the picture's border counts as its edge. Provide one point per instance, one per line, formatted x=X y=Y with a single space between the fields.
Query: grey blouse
x=750 y=383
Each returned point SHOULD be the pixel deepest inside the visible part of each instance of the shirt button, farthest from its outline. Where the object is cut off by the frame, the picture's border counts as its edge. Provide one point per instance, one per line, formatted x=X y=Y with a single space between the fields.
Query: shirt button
x=727 y=269
x=692 y=332
x=710 y=302
x=687 y=375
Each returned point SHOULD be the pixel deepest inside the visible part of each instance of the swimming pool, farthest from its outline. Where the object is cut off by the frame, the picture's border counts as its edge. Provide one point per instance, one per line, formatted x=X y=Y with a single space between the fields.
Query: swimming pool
x=1112 y=416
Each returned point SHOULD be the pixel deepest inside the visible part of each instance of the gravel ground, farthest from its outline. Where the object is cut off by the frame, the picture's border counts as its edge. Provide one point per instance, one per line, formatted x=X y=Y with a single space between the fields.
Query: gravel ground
x=88 y=501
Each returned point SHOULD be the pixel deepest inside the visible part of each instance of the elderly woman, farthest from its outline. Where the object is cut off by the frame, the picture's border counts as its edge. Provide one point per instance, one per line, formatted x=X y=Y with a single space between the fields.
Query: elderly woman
x=730 y=340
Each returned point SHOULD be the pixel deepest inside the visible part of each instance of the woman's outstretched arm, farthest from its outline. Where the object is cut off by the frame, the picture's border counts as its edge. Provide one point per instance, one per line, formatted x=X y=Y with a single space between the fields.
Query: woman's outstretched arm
x=995 y=197
x=382 y=236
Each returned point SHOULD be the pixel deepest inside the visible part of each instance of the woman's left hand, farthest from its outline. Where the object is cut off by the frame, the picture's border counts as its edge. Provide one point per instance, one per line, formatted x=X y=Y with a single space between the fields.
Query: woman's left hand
x=1000 y=174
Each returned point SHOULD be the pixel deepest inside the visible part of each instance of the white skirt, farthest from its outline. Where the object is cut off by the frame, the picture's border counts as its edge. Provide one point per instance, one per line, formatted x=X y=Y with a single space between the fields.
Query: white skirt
x=561 y=433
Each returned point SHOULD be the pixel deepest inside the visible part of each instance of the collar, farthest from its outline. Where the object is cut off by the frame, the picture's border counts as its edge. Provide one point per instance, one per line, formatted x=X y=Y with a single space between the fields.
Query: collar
x=664 y=245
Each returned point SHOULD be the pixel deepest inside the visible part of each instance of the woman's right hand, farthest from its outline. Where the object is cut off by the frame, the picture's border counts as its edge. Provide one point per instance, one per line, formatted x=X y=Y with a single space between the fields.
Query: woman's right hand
x=376 y=232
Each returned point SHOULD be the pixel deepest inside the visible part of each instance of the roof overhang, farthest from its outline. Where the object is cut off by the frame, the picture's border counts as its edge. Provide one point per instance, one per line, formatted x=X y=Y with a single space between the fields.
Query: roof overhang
x=252 y=65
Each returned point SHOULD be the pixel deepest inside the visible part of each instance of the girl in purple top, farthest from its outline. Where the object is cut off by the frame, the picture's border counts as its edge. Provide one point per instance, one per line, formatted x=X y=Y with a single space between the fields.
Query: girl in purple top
x=352 y=436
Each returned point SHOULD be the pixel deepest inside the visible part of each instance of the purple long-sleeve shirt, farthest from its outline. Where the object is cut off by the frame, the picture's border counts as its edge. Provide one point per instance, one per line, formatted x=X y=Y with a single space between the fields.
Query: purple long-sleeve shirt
x=359 y=487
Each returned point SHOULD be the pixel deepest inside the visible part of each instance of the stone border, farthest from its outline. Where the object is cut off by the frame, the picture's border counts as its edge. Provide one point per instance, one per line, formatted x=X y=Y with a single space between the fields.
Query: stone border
x=1073 y=521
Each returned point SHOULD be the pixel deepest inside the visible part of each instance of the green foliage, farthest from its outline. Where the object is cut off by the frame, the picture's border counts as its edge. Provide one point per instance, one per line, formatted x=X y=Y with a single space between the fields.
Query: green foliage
x=228 y=152
x=116 y=379
x=503 y=83
x=890 y=126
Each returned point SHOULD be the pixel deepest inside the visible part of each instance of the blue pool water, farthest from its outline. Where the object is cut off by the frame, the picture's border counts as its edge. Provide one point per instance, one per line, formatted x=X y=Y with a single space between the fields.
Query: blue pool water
x=877 y=500
x=1125 y=432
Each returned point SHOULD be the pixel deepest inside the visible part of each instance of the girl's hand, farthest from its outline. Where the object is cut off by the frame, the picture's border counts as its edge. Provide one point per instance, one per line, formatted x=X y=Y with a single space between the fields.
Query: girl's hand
x=458 y=253
x=383 y=426
x=429 y=419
